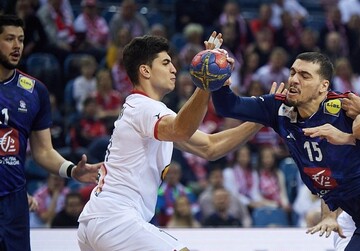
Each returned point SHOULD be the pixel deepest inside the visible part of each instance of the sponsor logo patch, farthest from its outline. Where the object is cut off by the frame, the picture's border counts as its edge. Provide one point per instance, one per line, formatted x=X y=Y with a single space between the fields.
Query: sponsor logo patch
x=26 y=83
x=332 y=107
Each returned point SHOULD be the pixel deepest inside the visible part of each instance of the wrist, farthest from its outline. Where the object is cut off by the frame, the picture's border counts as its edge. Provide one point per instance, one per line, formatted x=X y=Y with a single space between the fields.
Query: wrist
x=66 y=168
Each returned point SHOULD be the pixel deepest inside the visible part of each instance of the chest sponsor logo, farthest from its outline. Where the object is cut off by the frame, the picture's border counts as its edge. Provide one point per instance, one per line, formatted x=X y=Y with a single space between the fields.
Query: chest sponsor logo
x=26 y=83
x=9 y=142
x=332 y=107
x=321 y=177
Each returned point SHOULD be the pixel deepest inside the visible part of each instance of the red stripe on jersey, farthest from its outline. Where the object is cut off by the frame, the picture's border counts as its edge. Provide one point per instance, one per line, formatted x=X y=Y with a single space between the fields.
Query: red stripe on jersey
x=156 y=127
x=279 y=96
x=333 y=95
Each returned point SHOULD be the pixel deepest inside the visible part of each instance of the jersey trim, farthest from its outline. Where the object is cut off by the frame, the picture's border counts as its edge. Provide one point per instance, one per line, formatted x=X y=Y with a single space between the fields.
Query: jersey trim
x=156 y=134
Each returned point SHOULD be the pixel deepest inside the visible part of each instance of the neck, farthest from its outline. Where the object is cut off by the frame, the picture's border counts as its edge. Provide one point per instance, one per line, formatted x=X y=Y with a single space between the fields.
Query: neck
x=150 y=92
x=5 y=73
x=311 y=107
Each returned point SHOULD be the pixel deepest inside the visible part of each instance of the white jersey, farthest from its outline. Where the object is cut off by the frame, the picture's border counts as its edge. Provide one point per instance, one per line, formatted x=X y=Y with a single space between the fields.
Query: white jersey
x=135 y=162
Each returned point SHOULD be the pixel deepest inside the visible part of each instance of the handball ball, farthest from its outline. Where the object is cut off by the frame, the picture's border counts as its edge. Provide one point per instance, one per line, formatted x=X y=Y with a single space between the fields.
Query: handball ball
x=209 y=70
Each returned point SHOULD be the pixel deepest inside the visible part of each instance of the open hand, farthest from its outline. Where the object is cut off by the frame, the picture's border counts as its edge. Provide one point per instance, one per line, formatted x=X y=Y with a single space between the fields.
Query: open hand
x=85 y=172
x=326 y=226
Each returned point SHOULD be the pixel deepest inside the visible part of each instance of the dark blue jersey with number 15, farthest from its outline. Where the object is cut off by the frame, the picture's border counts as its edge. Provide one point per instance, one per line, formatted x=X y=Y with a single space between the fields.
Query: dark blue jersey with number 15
x=331 y=171
x=24 y=107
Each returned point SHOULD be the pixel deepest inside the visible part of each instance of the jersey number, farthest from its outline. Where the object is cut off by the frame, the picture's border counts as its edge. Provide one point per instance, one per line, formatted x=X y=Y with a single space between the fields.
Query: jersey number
x=313 y=151
x=5 y=112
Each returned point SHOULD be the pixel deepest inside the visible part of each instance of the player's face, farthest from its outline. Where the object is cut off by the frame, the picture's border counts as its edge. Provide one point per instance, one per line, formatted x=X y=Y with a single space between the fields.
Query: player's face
x=163 y=74
x=304 y=83
x=11 y=46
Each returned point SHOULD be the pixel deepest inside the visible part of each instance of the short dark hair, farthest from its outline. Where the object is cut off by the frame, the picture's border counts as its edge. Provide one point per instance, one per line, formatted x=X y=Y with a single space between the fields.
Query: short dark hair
x=10 y=20
x=326 y=69
x=142 y=50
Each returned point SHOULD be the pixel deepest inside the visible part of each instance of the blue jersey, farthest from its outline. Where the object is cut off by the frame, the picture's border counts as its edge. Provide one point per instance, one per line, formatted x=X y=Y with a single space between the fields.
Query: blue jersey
x=331 y=171
x=24 y=107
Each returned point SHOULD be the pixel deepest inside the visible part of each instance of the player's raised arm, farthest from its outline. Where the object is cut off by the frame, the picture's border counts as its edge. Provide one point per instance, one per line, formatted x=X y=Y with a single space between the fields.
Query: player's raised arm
x=185 y=123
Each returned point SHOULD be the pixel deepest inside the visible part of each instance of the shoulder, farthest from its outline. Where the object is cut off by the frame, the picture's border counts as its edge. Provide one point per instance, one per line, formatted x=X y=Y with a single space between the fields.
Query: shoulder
x=28 y=82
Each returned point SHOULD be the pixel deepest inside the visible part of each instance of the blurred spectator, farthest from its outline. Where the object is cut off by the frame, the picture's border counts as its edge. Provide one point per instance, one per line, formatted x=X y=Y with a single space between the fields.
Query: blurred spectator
x=35 y=39
x=58 y=25
x=184 y=88
x=57 y=129
x=289 y=35
x=234 y=206
x=51 y=199
x=232 y=46
x=307 y=206
x=158 y=30
x=241 y=179
x=193 y=34
x=344 y=79
x=85 y=83
x=66 y=7
x=308 y=41
x=108 y=99
x=296 y=10
x=275 y=70
x=115 y=47
x=193 y=11
x=263 y=19
x=88 y=128
x=169 y=191
x=231 y=17
x=272 y=181
x=128 y=17
x=333 y=24
x=354 y=33
x=263 y=45
x=247 y=70
x=183 y=216
x=68 y=216
x=333 y=46
x=122 y=82
x=348 y=8
x=91 y=29
x=221 y=217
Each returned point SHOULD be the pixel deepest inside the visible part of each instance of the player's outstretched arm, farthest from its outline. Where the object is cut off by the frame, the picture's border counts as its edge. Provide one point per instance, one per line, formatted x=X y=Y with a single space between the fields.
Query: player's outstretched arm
x=46 y=156
x=328 y=222
x=215 y=146
x=331 y=134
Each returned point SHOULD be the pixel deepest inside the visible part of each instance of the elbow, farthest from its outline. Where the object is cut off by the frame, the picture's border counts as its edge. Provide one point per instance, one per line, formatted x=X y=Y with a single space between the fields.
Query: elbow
x=211 y=155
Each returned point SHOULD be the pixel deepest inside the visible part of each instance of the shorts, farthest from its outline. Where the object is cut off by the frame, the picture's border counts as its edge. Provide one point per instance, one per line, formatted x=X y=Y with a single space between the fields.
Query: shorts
x=14 y=222
x=348 y=226
x=127 y=231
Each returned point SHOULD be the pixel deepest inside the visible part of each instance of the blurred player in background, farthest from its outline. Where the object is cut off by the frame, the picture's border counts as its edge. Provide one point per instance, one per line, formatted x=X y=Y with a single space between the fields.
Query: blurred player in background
x=25 y=115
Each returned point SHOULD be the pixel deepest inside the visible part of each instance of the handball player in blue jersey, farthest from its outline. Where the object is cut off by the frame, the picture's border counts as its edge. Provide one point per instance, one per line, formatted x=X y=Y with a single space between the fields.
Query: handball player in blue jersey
x=24 y=115
x=329 y=163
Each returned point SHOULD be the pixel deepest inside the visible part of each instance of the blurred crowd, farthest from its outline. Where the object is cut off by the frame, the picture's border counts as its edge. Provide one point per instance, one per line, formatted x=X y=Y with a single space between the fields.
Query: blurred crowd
x=75 y=48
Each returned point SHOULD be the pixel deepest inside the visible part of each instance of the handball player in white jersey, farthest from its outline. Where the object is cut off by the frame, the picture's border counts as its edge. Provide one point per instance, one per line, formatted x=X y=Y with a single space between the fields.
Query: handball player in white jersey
x=139 y=153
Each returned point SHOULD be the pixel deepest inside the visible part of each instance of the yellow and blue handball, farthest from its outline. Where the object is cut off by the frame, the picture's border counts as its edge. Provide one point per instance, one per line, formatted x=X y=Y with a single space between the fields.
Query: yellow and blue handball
x=209 y=69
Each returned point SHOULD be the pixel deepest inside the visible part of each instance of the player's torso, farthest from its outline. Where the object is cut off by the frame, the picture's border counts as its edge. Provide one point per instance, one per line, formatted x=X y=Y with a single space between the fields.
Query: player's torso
x=19 y=106
x=136 y=162
x=321 y=164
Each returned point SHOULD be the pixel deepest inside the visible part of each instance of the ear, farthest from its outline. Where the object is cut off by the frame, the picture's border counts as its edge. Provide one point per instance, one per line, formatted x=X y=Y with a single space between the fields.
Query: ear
x=325 y=84
x=145 y=71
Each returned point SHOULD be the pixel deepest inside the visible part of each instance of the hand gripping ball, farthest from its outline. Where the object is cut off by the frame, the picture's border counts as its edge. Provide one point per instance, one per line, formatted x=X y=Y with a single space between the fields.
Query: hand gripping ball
x=209 y=69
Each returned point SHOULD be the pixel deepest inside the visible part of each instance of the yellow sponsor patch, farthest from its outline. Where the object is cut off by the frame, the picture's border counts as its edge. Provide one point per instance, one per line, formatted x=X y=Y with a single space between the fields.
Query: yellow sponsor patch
x=26 y=83
x=333 y=107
